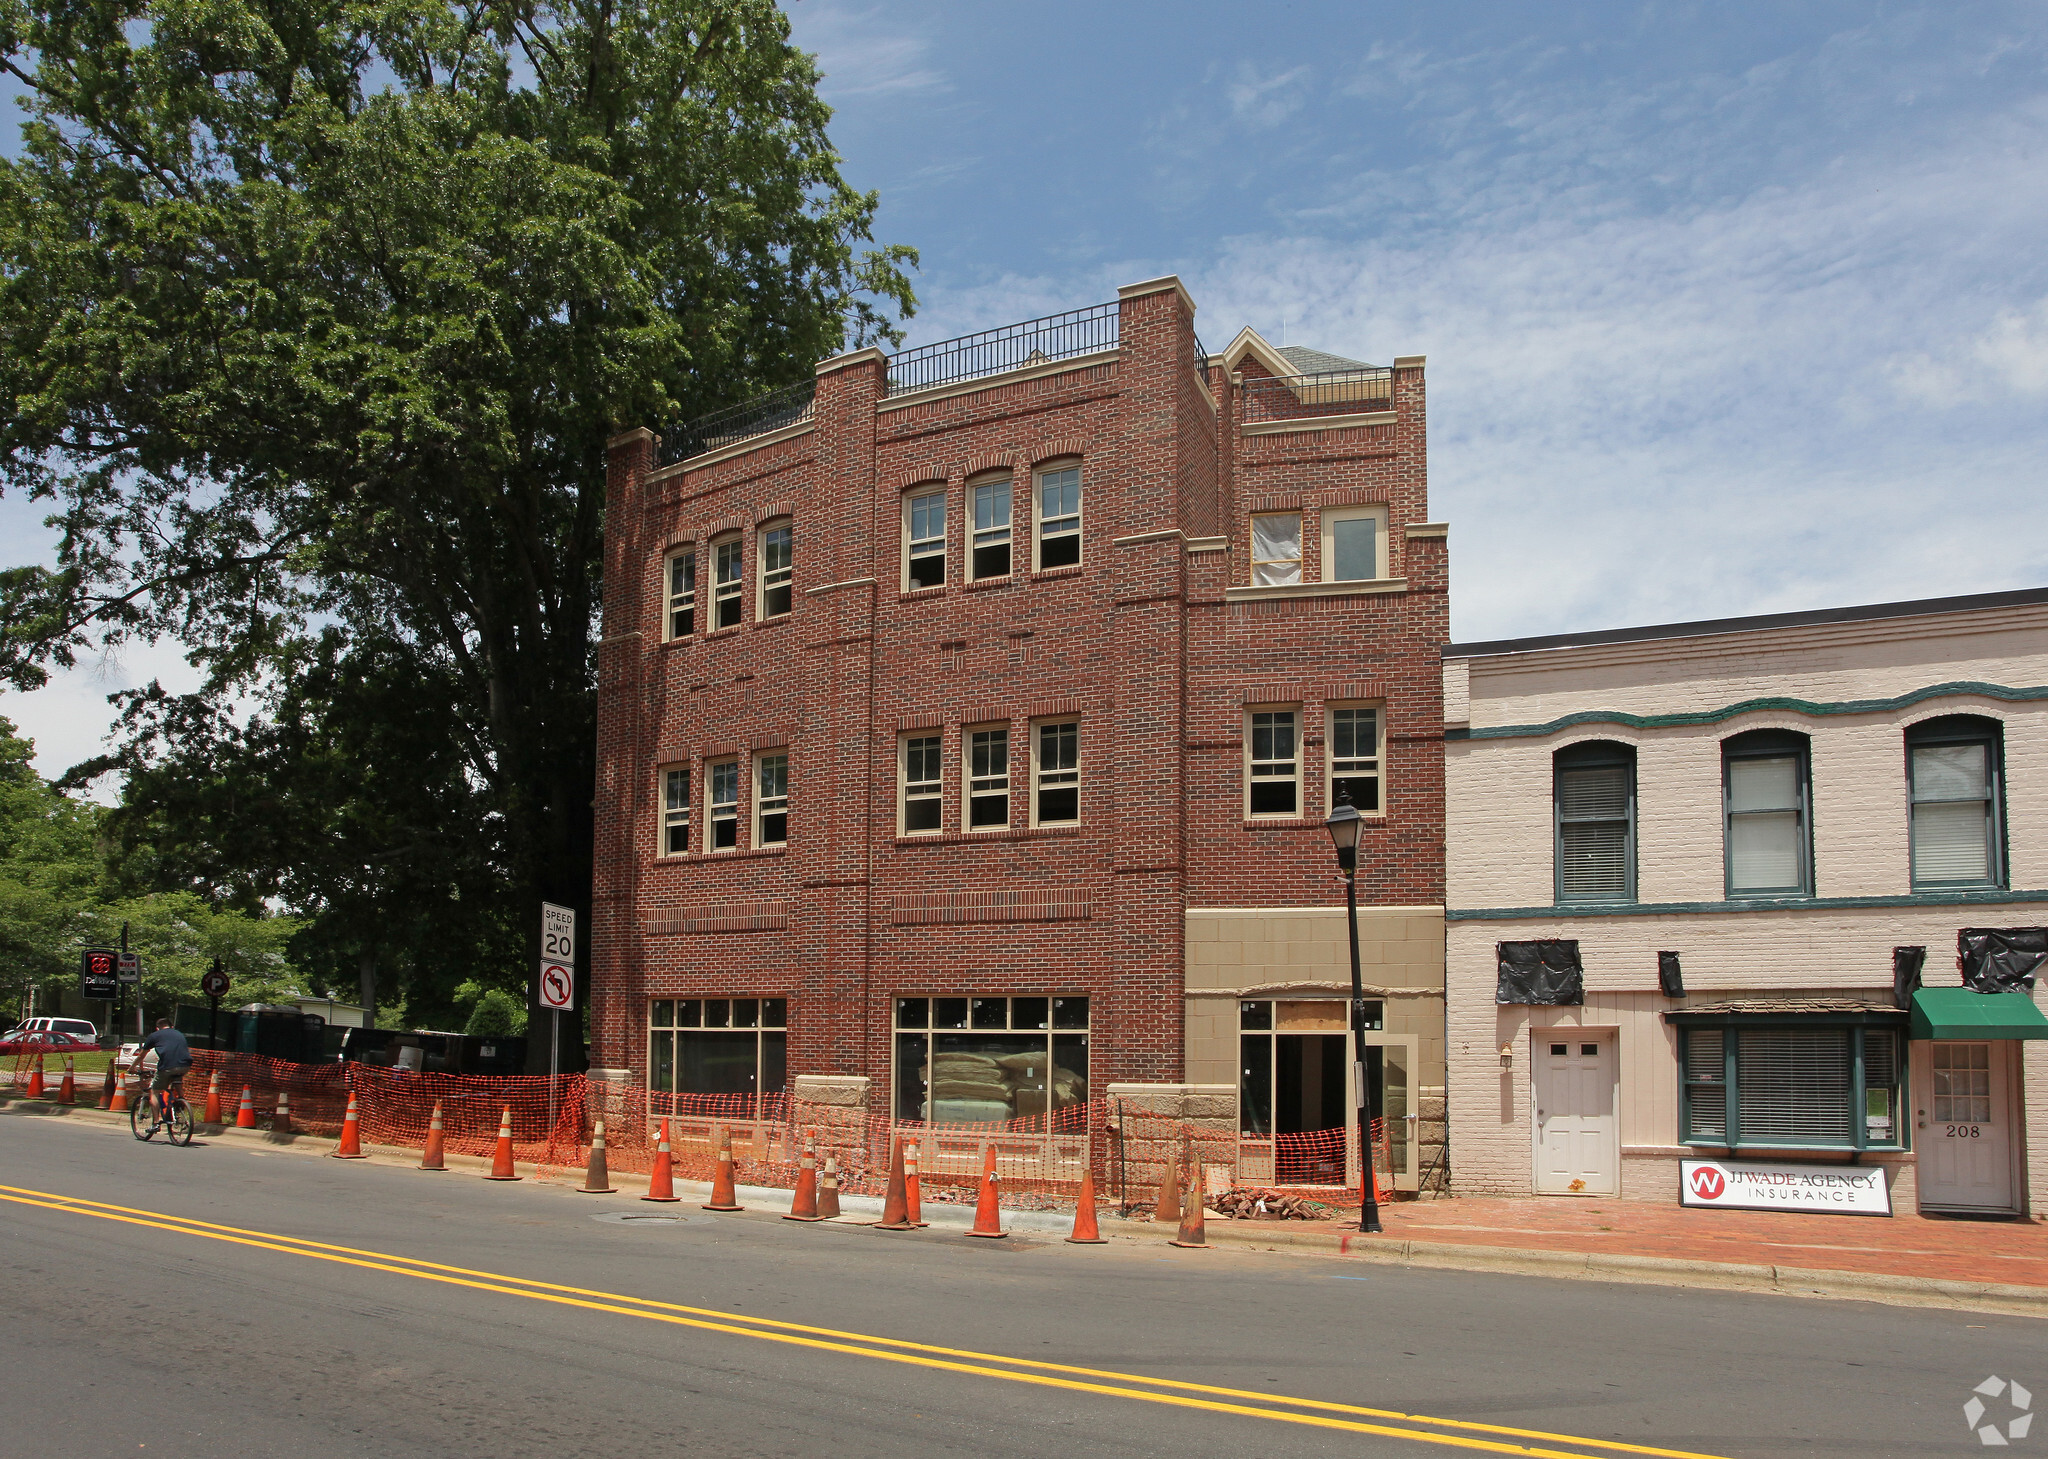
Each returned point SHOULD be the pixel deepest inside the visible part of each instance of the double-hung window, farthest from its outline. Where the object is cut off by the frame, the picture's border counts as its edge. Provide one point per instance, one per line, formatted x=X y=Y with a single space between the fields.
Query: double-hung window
x=924 y=537
x=675 y=810
x=1276 y=549
x=1799 y=1084
x=1057 y=771
x=1594 y=801
x=682 y=594
x=1354 y=749
x=725 y=589
x=1766 y=792
x=991 y=527
x=1953 y=767
x=1354 y=541
x=771 y=799
x=1272 y=763
x=988 y=778
x=1059 y=516
x=778 y=546
x=724 y=776
x=918 y=775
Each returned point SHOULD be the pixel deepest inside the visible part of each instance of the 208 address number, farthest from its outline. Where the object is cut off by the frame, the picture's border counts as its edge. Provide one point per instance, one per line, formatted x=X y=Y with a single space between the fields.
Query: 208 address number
x=1963 y=1132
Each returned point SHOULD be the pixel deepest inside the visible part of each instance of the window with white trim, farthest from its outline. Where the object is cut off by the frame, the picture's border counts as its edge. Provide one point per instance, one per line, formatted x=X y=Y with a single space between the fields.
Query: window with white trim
x=675 y=810
x=918 y=780
x=988 y=777
x=1276 y=549
x=1056 y=771
x=1800 y=1084
x=778 y=566
x=1953 y=770
x=724 y=779
x=991 y=500
x=1767 y=793
x=1355 y=753
x=1594 y=800
x=1272 y=752
x=682 y=594
x=1354 y=544
x=924 y=539
x=725 y=590
x=1058 y=499
x=983 y=1060
x=771 y=799
x=718 y=1046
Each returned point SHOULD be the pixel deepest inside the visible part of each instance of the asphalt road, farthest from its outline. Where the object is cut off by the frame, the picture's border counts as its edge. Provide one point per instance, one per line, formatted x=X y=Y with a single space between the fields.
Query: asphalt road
x=446 y=1315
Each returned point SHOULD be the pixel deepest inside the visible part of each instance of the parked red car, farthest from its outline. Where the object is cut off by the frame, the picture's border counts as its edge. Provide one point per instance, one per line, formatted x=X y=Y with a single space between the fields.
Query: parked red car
x=49 y=1041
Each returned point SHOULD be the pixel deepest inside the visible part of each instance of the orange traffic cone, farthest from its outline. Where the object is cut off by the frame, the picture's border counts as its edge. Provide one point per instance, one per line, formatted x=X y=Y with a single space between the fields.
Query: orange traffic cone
x=120 y=1101
x=67 y=1091
x=1168 y=1208
x=351 y=1146
x=501 y=1159
x=1085 y=1233
x=107 y=1088
x=803 y=1206
x=1193 y=1230
x=723 y=1197
x=245 y=1116
x=433 y=1156
x=988 y=1211
x=661 y=1181
x=35 y=1079
x=828 y=1191
x=213 y=1099
x=597 y=1179
x=913 y=1199
x=281 y=1117
x=896 y=1202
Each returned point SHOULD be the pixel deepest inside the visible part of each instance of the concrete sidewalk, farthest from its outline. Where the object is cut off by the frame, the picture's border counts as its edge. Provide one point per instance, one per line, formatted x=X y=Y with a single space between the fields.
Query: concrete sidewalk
x=1999 y=1265
x=1905 y=1260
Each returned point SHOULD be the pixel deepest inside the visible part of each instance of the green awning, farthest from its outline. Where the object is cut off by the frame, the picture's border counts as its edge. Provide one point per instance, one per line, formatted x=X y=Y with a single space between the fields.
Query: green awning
x=1959 y=1013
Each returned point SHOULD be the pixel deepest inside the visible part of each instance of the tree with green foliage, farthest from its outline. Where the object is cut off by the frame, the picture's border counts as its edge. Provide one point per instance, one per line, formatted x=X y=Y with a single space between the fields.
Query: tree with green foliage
x=314 y=321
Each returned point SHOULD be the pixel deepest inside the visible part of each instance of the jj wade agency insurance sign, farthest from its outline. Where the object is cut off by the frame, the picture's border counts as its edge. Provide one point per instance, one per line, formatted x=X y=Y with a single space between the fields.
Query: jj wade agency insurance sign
x=1849 y=1190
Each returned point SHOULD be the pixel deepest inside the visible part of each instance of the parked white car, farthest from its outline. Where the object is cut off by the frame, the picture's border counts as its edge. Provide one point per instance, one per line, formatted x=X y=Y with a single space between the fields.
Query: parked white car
x=77 y=1027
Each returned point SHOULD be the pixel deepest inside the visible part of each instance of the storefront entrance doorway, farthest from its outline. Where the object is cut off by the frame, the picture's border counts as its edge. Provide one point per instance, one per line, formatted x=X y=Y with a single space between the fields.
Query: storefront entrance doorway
x=1576 y=1149
x=1966 y=1126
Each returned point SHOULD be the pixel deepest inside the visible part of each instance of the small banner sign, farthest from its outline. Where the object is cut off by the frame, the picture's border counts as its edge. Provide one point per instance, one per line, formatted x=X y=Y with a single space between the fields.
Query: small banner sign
x=1843 y=1190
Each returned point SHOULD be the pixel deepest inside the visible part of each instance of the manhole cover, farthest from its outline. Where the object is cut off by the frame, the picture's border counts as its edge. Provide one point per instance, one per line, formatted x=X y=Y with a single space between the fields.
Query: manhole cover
x=639 y=1218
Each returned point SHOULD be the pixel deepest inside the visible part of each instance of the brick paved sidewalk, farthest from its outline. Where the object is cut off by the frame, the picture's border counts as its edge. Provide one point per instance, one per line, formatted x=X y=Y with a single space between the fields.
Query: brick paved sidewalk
x=1947 y=1248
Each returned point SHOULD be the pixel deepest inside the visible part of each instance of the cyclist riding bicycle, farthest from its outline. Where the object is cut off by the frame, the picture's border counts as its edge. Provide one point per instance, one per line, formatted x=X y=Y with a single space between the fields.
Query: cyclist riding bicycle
x=173 y=1062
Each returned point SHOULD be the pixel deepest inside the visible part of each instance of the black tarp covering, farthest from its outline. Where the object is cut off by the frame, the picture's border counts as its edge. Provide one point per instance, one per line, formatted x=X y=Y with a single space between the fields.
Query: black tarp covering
x=1906 y=965
x=1540 y=972
x=2000 y=959
x=1670 y=980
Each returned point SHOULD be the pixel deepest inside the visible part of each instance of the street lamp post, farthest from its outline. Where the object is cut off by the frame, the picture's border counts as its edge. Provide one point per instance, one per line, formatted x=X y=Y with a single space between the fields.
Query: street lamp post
x=1343 y=824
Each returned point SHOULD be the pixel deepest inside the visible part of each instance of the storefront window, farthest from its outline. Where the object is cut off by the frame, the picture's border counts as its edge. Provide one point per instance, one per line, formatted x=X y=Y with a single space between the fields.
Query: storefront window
x=985 y=1060
x=717 y=1045
x=1295 y=1079
x=1792 y=1087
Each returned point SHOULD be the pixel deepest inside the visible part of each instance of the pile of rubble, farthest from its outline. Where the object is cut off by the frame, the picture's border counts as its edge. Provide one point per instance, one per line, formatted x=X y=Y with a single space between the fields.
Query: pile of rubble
x=1249 y=1203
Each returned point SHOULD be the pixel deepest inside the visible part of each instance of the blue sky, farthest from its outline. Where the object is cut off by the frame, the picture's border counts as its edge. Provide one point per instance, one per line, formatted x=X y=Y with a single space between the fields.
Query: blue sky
x=1728 y=308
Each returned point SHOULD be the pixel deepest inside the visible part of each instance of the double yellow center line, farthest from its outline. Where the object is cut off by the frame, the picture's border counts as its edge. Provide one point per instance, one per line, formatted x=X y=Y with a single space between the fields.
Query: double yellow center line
x=1208 y=1398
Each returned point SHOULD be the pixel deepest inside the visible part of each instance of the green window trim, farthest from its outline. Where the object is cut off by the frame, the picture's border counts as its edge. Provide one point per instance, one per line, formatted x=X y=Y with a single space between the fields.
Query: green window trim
x=1862 y=1099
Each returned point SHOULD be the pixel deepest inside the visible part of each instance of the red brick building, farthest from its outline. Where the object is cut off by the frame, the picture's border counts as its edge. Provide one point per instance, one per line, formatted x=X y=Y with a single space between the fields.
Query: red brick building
x=967 y=725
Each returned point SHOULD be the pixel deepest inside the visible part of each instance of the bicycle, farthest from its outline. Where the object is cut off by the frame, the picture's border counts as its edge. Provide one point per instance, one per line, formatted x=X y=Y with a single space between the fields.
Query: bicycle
x=173 y=1116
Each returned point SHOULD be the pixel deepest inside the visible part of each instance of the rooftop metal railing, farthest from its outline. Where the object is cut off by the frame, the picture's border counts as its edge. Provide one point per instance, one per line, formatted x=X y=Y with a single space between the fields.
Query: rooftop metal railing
x=1335 y=392
x=1013 y=347
x=764 y=413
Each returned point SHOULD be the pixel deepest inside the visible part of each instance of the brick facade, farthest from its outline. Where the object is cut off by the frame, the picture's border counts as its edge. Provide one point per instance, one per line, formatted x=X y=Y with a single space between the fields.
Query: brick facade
x=1155 y=644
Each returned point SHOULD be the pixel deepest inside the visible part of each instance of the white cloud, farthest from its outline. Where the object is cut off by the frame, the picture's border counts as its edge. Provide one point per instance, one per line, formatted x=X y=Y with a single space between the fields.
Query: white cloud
x=2015 y=349
x=1265 y=101
x=861 y=57
x=70 y=719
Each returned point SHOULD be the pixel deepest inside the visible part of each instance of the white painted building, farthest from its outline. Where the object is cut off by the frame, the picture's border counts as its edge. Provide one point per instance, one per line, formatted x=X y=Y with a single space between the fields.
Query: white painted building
x=1781 y=802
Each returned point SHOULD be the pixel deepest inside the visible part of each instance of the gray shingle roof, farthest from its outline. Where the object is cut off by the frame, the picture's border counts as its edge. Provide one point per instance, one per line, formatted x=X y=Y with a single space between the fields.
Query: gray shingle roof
x=1315 y=362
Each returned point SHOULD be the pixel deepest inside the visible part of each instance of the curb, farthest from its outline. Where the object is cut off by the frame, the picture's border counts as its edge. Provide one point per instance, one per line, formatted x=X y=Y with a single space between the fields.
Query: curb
x=1898 y=1291
x=1885 y=1287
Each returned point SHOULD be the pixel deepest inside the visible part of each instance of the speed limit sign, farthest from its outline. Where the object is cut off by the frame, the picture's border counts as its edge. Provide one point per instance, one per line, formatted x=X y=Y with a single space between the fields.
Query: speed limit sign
x=557 y=957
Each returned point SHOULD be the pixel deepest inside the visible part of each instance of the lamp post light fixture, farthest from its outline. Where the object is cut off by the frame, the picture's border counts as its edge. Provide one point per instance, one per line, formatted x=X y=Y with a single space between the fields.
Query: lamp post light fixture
x=1344 y=824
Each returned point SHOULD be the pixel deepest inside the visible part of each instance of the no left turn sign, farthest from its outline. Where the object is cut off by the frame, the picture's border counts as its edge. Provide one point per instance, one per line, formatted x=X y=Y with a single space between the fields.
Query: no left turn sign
x=557 y=986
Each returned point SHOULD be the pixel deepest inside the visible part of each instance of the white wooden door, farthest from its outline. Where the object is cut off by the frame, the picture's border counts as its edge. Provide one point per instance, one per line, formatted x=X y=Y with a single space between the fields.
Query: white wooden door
x=1965 y=1126
x=1573 y=1077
